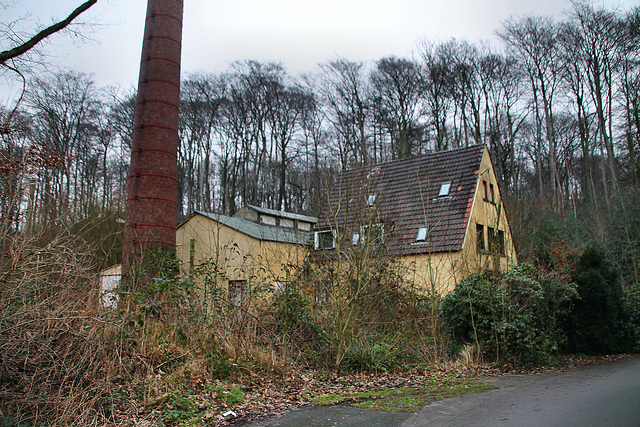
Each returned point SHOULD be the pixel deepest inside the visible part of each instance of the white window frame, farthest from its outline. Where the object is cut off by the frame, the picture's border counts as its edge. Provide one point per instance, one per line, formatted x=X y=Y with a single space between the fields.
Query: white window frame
x=445 y=189
x=422 y=234
x=355 y=239
x=317 y=239
x=371 y=200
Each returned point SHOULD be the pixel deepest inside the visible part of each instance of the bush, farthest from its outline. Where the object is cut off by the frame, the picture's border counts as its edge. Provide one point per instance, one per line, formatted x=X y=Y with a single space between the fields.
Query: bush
x=513 y=318
x=596 y=324
x=632 y=315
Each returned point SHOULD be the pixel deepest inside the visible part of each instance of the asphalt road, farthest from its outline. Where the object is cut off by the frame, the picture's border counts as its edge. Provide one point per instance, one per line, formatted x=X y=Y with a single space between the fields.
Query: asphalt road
x=599 y=395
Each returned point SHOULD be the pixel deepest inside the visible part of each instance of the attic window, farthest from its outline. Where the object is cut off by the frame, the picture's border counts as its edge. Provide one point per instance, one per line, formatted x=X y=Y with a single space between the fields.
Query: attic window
x=444 y=189
x=286 y=223
x=268 y=220
x=371 y=200
x=304 y=226
x=356 y=239
x=422 y=234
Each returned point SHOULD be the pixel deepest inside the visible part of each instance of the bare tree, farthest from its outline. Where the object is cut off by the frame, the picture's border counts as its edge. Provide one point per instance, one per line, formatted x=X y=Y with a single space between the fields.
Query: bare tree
x=438 y=77
x=398 y=89
x=535 y=41
x=345 y=93
x=24 y=47
x=600 y=31
x=202 y=98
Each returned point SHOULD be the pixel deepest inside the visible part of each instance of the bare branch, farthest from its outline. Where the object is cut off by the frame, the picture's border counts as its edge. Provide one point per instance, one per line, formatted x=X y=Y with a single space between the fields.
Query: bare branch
x=23 y=48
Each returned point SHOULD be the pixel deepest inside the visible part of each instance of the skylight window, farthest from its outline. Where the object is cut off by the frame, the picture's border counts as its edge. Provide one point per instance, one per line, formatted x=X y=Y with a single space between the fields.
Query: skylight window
x=372 y=199
x=444 y=189
x=356 y=239
x=422 y=234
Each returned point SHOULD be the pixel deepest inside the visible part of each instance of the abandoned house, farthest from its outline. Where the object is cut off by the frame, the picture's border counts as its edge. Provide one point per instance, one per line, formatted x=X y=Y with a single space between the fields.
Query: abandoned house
x=440 y=215
x=255 y=247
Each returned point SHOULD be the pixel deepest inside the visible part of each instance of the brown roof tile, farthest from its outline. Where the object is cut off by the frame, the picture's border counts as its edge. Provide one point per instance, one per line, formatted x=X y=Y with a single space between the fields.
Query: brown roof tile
x=407 y=197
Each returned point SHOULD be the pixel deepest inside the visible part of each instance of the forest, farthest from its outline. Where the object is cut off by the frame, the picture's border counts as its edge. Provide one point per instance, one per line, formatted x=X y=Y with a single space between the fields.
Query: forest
x=556 y=101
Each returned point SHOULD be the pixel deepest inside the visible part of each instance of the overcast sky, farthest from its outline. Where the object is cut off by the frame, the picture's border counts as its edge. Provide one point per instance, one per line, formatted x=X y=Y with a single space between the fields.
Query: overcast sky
x=298 y=33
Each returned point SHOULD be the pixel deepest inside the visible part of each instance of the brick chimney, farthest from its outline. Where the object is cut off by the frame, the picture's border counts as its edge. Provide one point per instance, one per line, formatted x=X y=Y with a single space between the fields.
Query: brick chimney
x=151 y=206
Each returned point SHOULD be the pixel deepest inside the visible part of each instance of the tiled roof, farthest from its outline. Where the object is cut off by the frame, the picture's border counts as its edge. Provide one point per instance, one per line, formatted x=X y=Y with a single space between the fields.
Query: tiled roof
x=259 y=231
x=407 y=198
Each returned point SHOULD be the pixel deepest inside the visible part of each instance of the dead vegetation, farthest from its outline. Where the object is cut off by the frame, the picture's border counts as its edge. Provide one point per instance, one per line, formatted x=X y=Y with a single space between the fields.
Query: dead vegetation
x=164 y=359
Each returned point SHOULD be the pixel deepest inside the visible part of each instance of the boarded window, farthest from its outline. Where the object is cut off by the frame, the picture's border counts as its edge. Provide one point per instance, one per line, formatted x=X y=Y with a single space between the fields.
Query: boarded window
x=287 y=223
x=304 y=226
x=268 y=220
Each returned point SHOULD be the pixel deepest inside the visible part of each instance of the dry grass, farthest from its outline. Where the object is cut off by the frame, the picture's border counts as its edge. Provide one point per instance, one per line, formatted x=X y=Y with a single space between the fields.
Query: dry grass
x=60 y=358
x=63 y=361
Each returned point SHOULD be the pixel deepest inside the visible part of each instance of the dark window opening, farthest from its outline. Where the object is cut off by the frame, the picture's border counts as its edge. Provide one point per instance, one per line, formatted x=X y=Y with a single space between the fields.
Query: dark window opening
x=480 y=237
x=237 y=290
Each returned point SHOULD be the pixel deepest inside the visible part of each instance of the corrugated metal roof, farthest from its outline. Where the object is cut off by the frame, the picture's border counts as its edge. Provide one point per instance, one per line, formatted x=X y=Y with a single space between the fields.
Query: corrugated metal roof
x=407 y=198
x=259 y=231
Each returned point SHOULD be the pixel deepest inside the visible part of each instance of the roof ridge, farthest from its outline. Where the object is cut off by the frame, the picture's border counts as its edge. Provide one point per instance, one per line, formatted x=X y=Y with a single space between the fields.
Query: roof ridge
x=416 y=157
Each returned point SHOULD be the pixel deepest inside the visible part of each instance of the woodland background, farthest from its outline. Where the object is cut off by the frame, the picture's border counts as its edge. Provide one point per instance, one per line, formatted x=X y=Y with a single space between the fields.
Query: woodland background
x=557 y=103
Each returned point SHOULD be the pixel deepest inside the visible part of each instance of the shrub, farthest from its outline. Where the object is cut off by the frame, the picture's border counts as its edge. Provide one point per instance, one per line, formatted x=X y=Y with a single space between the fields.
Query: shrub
x=596 y=324
x=512 y=317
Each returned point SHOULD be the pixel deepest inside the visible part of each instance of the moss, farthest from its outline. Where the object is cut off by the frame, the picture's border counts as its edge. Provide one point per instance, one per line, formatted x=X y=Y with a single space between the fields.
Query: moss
x=405 y=399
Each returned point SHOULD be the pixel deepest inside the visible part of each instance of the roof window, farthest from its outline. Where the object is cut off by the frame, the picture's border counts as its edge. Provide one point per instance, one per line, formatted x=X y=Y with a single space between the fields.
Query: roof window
x=372 y=199
x=444 y=189
x=422 y=234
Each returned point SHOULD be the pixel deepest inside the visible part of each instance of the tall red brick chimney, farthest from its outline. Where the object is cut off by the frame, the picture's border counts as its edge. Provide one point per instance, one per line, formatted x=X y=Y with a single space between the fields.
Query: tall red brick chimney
x=151 y=206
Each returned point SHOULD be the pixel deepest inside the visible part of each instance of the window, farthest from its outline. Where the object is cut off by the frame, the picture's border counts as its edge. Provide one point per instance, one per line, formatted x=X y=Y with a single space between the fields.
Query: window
x=268 y=220
x=496 y=241
x=480 y=237
x=237 y=289
x=371 y=200
x=355 y=239
x=286 y=222
x=304 y=226
x=444 y=189
x=373 y=234
x=488 y=192
x=322 y=294
x=279 y=287
x=323 y=240
x=422 y=234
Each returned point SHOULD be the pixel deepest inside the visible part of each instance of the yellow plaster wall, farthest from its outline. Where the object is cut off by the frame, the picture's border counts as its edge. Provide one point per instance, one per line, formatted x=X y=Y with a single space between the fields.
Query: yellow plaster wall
x=440 y=272
x=490 y=215
x=235 y=255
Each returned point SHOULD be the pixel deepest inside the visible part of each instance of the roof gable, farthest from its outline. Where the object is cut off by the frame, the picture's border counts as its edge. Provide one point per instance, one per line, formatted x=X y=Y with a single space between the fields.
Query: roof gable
x=407 y=197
